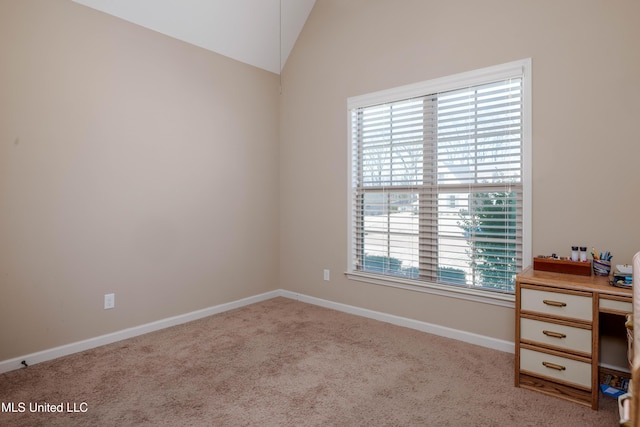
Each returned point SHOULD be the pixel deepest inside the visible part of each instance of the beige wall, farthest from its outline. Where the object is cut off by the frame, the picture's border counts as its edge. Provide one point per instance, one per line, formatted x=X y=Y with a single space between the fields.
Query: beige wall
x=586 y=149
x=130 y=163
x=136 y=164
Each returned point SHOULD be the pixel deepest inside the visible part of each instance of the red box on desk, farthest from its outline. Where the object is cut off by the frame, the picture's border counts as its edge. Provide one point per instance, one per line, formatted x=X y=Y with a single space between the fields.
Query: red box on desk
x=562 y=266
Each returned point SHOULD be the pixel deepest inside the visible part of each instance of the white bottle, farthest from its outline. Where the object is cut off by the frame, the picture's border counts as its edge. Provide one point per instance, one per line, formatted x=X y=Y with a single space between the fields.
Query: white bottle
x=583 y=253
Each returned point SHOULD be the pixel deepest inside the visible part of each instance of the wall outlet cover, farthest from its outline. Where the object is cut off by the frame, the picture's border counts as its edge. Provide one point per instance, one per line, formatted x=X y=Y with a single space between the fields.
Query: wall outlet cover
x=109 y=301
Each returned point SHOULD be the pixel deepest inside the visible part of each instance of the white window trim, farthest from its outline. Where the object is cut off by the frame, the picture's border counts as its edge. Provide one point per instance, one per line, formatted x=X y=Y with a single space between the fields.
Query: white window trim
x=475 y=77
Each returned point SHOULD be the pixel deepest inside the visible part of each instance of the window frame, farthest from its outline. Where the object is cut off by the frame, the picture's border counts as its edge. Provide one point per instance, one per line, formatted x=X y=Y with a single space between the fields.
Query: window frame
x=520 y=68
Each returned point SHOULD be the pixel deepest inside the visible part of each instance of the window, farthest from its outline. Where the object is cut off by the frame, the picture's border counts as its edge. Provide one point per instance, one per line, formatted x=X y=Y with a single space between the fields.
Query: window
x=440 y=182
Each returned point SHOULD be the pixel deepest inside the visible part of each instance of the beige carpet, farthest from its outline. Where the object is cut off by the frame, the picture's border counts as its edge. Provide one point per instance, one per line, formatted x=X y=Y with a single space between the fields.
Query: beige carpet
x=286 y=363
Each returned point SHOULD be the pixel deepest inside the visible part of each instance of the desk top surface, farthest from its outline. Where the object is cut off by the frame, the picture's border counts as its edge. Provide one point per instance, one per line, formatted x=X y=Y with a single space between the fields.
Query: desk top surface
x=598 y=284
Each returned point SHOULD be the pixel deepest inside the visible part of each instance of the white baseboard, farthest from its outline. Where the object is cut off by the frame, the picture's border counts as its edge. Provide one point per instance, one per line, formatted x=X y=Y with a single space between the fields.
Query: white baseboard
x=65 y=350
x=456 y=334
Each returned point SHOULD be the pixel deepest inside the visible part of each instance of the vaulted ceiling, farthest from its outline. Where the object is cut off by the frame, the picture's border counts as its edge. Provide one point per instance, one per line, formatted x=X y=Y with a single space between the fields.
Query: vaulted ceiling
x=261 y=33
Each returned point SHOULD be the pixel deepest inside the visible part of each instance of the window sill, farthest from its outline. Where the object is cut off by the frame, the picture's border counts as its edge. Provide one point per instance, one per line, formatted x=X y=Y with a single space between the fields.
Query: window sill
x=485 y=297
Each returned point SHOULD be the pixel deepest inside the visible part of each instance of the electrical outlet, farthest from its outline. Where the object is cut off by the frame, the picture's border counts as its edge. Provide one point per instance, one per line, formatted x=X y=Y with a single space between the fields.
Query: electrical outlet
x=327 y=275
x=109 y=301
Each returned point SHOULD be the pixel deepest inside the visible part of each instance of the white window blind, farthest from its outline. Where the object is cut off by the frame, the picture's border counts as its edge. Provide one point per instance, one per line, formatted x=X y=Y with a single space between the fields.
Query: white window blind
x=438 y=184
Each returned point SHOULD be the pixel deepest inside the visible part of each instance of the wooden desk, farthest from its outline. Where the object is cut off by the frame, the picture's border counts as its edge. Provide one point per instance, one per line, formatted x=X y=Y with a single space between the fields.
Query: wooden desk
x=561 y=333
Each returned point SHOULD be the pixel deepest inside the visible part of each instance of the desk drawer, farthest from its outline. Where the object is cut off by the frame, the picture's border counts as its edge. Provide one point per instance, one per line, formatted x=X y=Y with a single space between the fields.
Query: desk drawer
x=557 y=304
x=566 y=337
x=556 y=367
x=615 y=305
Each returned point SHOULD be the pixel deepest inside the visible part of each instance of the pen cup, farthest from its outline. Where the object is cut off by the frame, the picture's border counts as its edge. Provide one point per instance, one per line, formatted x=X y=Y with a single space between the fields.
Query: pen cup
x=601 y=267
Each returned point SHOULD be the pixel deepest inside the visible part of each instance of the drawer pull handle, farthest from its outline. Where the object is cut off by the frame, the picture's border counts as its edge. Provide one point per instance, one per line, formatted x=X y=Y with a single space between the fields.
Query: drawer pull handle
x=554 y=366
x=554 y=334
x=554 y=303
